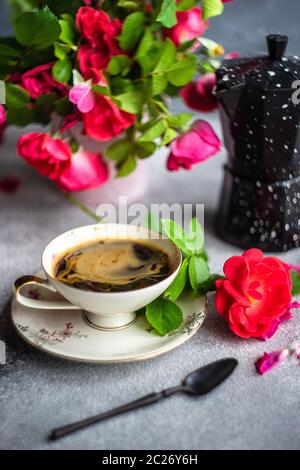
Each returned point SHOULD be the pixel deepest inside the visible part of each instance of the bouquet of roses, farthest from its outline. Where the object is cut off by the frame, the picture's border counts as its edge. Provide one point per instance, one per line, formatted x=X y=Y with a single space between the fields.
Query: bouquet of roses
x=105 y=69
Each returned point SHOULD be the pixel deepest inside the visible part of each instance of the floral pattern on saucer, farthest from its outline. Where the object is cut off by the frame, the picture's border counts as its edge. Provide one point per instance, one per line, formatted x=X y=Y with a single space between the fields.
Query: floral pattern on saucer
x=44 y=336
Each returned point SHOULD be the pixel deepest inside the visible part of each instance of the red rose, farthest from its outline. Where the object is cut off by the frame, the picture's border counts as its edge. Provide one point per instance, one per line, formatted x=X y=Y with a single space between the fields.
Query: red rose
x=257 y=290
x=190 y=25
x=87 y=170
x=91 y=63
x=3 y=123
x=39 y=81
x=106 y=120
x=50 y=157
x=101 y=33
x=198 y=95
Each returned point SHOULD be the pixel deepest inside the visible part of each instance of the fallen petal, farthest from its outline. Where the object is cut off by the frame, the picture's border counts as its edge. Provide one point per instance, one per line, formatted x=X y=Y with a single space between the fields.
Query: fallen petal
x=294 y=304
x=270 y=360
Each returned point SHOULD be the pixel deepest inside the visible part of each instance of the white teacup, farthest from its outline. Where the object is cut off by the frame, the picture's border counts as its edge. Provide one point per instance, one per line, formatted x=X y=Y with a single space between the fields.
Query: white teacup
x=109 y=310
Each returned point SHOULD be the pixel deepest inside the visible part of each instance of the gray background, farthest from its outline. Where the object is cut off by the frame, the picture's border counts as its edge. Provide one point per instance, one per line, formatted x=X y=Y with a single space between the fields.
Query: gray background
x=38 y=392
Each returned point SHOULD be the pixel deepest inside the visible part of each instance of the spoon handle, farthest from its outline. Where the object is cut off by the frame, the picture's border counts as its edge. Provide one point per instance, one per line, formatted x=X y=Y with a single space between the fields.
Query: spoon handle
x=143 y=401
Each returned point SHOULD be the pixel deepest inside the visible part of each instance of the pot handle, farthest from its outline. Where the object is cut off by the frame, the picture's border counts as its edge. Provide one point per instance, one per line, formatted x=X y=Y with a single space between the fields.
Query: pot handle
x=37 y=303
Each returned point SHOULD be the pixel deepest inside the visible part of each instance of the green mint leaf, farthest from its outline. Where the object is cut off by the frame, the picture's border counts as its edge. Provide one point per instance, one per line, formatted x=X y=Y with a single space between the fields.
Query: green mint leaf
x=38 y=28
x=212 y=8
x=154 y=131
x=295 y=276
x=16 y=97
x=102 y=90
x=182 y=72
x=132 y=30
x=176 y=234
x=167 y=14
x=62 y=70
x=132 y=102
x=119 y=64
x=198 y=271
x=179 y=283
x=164 y=315
x=166 y=58
x=127 y=166
x=154 y=223
x=209 y=285
x=119 y=150
x=61 y=50
x=195 y=238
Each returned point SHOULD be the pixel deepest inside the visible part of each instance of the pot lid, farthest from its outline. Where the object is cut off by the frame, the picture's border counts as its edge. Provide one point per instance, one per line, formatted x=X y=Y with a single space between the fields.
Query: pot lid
x=269 y=72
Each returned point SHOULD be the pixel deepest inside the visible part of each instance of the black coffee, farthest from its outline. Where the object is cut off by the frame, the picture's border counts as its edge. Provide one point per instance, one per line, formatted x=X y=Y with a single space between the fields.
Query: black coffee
x=113 y=266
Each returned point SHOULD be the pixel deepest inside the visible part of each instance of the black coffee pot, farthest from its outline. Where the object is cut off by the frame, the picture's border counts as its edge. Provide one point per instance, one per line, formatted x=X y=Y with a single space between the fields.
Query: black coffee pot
x=260 y=199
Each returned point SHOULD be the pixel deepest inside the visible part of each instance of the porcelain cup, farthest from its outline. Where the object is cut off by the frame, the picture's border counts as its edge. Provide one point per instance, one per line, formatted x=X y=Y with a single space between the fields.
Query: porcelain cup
x=109 y=310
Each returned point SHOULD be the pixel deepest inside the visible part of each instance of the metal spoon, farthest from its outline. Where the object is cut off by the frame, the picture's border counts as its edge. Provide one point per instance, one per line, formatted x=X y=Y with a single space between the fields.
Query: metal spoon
x=198 y=382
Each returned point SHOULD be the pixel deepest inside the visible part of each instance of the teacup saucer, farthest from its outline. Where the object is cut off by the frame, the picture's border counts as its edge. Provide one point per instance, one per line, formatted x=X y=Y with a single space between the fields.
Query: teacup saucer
x=67 y=334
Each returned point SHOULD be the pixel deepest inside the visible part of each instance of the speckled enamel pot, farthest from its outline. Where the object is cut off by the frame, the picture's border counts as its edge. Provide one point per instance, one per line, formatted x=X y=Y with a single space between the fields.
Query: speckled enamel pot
x=261 y=191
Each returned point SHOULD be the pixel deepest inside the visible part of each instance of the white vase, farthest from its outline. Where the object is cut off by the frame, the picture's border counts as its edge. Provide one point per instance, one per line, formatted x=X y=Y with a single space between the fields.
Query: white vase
x=133 y=186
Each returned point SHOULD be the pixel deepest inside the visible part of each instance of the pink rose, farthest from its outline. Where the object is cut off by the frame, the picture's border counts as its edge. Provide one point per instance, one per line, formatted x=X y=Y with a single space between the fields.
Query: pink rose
x=195 y=146
x=91 y=63
x=199 y=94
x=50 y=157
x=2 y=122
x=100 y=31
x=39 y=81
x=87 y=170
x=190 y=25
x=82 y=96
x=106 y=120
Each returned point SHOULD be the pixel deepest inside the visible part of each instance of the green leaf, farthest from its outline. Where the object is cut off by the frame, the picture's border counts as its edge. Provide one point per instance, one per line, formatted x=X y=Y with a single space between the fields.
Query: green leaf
x=145 y=45
x=119 y=151
x=119 y=64
x=179 y=283
x=179 y=120
x=169 y=135
x=184 y=5
x=198 y=271
x=61 y=50
x=159 y=84
x=16 y=97
x=156 y=130
x=132 y=102
x=68 y=31
x=167 y=14
x=102 y=90
x=166 y=58
x=132 y=30
x=127 y=166
x=209 y=285
x=46 y=102
x=20 y=117
x=63 y=106
x=62 y=70
x=295 y=276
x=144 y=149
x=164 y=315
x=212 y=8
x=195 y=238
x=182 y=72
x=38 y=28
x=10 y=52
x=176 y=234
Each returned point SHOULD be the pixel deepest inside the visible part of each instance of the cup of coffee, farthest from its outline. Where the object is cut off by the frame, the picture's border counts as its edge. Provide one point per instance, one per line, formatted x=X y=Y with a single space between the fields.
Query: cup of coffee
x=108 y=270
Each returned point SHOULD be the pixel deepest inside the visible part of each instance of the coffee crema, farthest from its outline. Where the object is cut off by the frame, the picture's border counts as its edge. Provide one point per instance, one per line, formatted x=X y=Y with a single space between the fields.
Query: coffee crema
x=113 y=265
